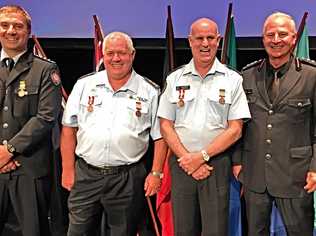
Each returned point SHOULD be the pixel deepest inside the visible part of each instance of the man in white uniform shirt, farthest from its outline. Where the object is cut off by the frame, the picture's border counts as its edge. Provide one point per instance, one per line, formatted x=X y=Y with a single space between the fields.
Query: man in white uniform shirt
x=201 y=115
x=107 y=122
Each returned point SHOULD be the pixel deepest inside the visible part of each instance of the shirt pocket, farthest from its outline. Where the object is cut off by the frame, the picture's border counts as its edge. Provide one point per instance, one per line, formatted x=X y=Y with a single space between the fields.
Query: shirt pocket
x=25 y=102
x=185 y=110
x=218 y=108
x=90 y=106
x=138 y=117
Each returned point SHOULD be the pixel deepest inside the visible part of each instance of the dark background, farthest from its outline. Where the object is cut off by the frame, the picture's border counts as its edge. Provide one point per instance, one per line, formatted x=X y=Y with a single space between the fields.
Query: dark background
x=75 y=56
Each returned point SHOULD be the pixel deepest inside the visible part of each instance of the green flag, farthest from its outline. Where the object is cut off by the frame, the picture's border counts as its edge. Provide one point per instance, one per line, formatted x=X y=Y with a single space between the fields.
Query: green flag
x=302 y=49
x=231 y=45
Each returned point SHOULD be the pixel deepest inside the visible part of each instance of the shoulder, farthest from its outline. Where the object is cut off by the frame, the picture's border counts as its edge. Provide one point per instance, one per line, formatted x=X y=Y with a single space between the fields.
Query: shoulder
x=305 y=63
x=256 y=64
x=87 y=76
x=43 y=62
x=176 y=70
x=150 y=83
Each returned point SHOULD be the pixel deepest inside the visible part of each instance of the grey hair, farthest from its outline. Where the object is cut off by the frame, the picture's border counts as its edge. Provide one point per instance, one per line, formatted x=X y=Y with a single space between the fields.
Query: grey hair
x=280 y=15
x=118 y=34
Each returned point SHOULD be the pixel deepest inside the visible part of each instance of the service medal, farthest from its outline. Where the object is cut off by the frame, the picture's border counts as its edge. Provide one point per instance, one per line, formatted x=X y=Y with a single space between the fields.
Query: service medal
x=22 y=89
x=138 y=107
x=180 y=103
x=221 y=96
x=90 y=103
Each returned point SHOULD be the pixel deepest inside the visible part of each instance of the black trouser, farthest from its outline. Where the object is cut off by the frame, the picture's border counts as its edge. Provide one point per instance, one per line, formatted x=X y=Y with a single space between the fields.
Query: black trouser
x=119 y=194
x=297 y=213
x=28 y=199
x=199 y=207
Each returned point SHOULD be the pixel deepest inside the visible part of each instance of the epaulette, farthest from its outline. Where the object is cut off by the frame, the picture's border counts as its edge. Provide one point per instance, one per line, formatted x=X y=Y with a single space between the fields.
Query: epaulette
x=255 y=63
x=156 y=86
x=86 y=75
x=45 y=59
x=179 y=67
x=233 y=69
x=304 y=61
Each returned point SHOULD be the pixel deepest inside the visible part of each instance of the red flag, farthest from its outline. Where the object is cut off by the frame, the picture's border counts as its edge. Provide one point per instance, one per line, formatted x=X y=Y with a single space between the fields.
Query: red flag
x=163 y=204
x=98 y=40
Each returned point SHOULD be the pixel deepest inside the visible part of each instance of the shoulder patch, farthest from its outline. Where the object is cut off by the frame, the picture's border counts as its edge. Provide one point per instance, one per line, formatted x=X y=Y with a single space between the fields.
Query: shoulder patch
x=156 y=86
x=55 y=78
x=307 y=62
x=86 y=75
x=253 y=64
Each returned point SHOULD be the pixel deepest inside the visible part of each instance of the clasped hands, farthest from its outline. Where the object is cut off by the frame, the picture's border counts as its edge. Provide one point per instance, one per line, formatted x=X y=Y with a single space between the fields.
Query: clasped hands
x=194 y=165
x=7 y=164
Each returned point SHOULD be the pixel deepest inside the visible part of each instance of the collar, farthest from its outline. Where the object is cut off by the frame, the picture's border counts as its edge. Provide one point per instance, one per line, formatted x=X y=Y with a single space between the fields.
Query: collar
x=131 y=84
x=4 y=55
x=281 y=70
x=216 y=67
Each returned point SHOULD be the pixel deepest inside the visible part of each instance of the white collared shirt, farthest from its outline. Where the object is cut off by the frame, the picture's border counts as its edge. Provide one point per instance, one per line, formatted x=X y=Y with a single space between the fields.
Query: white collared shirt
x=111 y=133
x=4 y=55
x=208 y=103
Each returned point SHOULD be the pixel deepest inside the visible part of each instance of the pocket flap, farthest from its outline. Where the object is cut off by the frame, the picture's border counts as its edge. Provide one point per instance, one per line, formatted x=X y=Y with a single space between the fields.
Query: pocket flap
x=296 y=102
x=301 y=152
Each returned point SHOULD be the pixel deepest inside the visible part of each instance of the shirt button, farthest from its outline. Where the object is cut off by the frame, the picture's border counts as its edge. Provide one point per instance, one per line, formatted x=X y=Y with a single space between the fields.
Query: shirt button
x=5 y=125
x=269 y=126
x=5 y=108
x=270 y=112
x=4 y=142
x=268 y=141
x=268 y=156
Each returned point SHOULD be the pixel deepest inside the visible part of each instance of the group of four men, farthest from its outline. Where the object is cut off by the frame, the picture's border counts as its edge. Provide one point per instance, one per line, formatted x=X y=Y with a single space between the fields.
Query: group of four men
x=203 y=112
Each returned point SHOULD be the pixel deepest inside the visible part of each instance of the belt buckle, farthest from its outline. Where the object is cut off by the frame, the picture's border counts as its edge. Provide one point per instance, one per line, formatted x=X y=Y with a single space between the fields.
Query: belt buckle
x=109 y=170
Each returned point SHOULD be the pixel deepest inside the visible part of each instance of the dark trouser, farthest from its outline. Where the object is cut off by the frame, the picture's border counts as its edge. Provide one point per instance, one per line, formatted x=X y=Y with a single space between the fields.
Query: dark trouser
x=28 y=199
x=297 y=213
x=120 y=195
x=199 y=207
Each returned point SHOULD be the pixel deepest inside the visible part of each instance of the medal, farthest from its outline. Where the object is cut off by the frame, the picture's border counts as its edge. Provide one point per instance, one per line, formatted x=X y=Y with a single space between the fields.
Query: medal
x=22 y=89
x=90 y=104
x=221 y=99
x=181 y=97
x=138 y=108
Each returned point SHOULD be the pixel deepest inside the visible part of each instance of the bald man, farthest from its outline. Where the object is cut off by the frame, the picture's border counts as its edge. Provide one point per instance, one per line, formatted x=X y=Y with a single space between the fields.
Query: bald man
x=201 y=115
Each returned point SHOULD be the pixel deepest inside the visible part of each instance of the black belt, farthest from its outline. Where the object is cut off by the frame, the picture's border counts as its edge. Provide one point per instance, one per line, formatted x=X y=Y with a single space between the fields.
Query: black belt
x=108 y=170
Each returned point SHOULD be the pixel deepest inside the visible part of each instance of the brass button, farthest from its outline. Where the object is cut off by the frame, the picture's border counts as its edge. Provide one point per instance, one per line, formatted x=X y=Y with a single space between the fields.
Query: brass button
x=268 y=141
x=4 y=142
x=5 y=125
x=270 y=112
x=299 y=104
x=269 y=126
x=268 y=156
x=5 y=108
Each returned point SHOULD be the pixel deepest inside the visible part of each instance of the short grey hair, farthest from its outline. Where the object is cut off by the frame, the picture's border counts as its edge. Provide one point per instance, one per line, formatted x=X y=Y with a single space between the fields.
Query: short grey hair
x=279 y=15
x=118 y=34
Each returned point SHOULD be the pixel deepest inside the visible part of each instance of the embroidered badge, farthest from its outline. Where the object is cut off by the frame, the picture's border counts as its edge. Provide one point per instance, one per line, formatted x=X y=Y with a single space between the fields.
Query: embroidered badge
x=54 y=76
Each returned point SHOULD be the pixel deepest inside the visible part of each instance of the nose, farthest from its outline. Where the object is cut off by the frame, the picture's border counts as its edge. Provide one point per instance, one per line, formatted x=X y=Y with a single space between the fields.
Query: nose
x=116 y=57
x=11 y=29
x=205 y=42
x=276 y=37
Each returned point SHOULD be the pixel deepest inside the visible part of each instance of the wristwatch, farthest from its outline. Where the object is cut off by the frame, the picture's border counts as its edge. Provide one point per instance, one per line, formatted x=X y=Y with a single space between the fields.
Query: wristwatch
x=11 y=148
x=205 y=156
x=157 y=174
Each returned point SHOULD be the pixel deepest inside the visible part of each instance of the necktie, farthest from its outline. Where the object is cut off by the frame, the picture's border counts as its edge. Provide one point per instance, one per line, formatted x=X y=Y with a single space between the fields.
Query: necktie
x=275 y=87
x=9 y=62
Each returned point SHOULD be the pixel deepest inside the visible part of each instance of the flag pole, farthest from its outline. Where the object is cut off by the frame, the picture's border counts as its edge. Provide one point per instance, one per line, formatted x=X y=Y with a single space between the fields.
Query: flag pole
x=226 y=36
x=40 y=49
x=300 y=30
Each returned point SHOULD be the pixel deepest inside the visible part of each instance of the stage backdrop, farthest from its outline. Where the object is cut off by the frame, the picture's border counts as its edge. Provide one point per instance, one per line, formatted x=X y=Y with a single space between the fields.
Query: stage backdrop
x=147 y=18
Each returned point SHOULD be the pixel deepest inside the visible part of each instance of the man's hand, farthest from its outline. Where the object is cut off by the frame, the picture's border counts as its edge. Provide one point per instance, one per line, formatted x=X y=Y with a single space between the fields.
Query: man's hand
x=190 y=162
x=310 y=182
x=202 y=172
x=152 y=185
x=236 y=170
x=5 y=156
x=68 y=178
x=10 y=166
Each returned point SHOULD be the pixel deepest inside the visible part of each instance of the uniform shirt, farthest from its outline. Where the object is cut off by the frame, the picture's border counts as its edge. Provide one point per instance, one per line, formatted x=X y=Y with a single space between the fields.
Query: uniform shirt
x=4 y=55
x=208 y=103
x=109 y=131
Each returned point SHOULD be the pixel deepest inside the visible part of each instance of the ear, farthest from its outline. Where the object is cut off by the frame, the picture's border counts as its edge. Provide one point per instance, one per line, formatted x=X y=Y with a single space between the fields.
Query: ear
x=218 y=39
x=190 y=40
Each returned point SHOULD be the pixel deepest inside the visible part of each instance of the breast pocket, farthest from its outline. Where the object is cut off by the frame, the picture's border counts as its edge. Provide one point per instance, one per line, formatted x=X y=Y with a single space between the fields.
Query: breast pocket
x=218 y=108
x=88 y=110
x=25 y=102
x=138 y=116
x=297 y=108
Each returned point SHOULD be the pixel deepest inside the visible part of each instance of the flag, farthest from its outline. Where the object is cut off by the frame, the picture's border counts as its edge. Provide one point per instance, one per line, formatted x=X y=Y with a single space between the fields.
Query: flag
x=163 y=201
x=97 y=41
x=229 y=58
x=302 y=49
